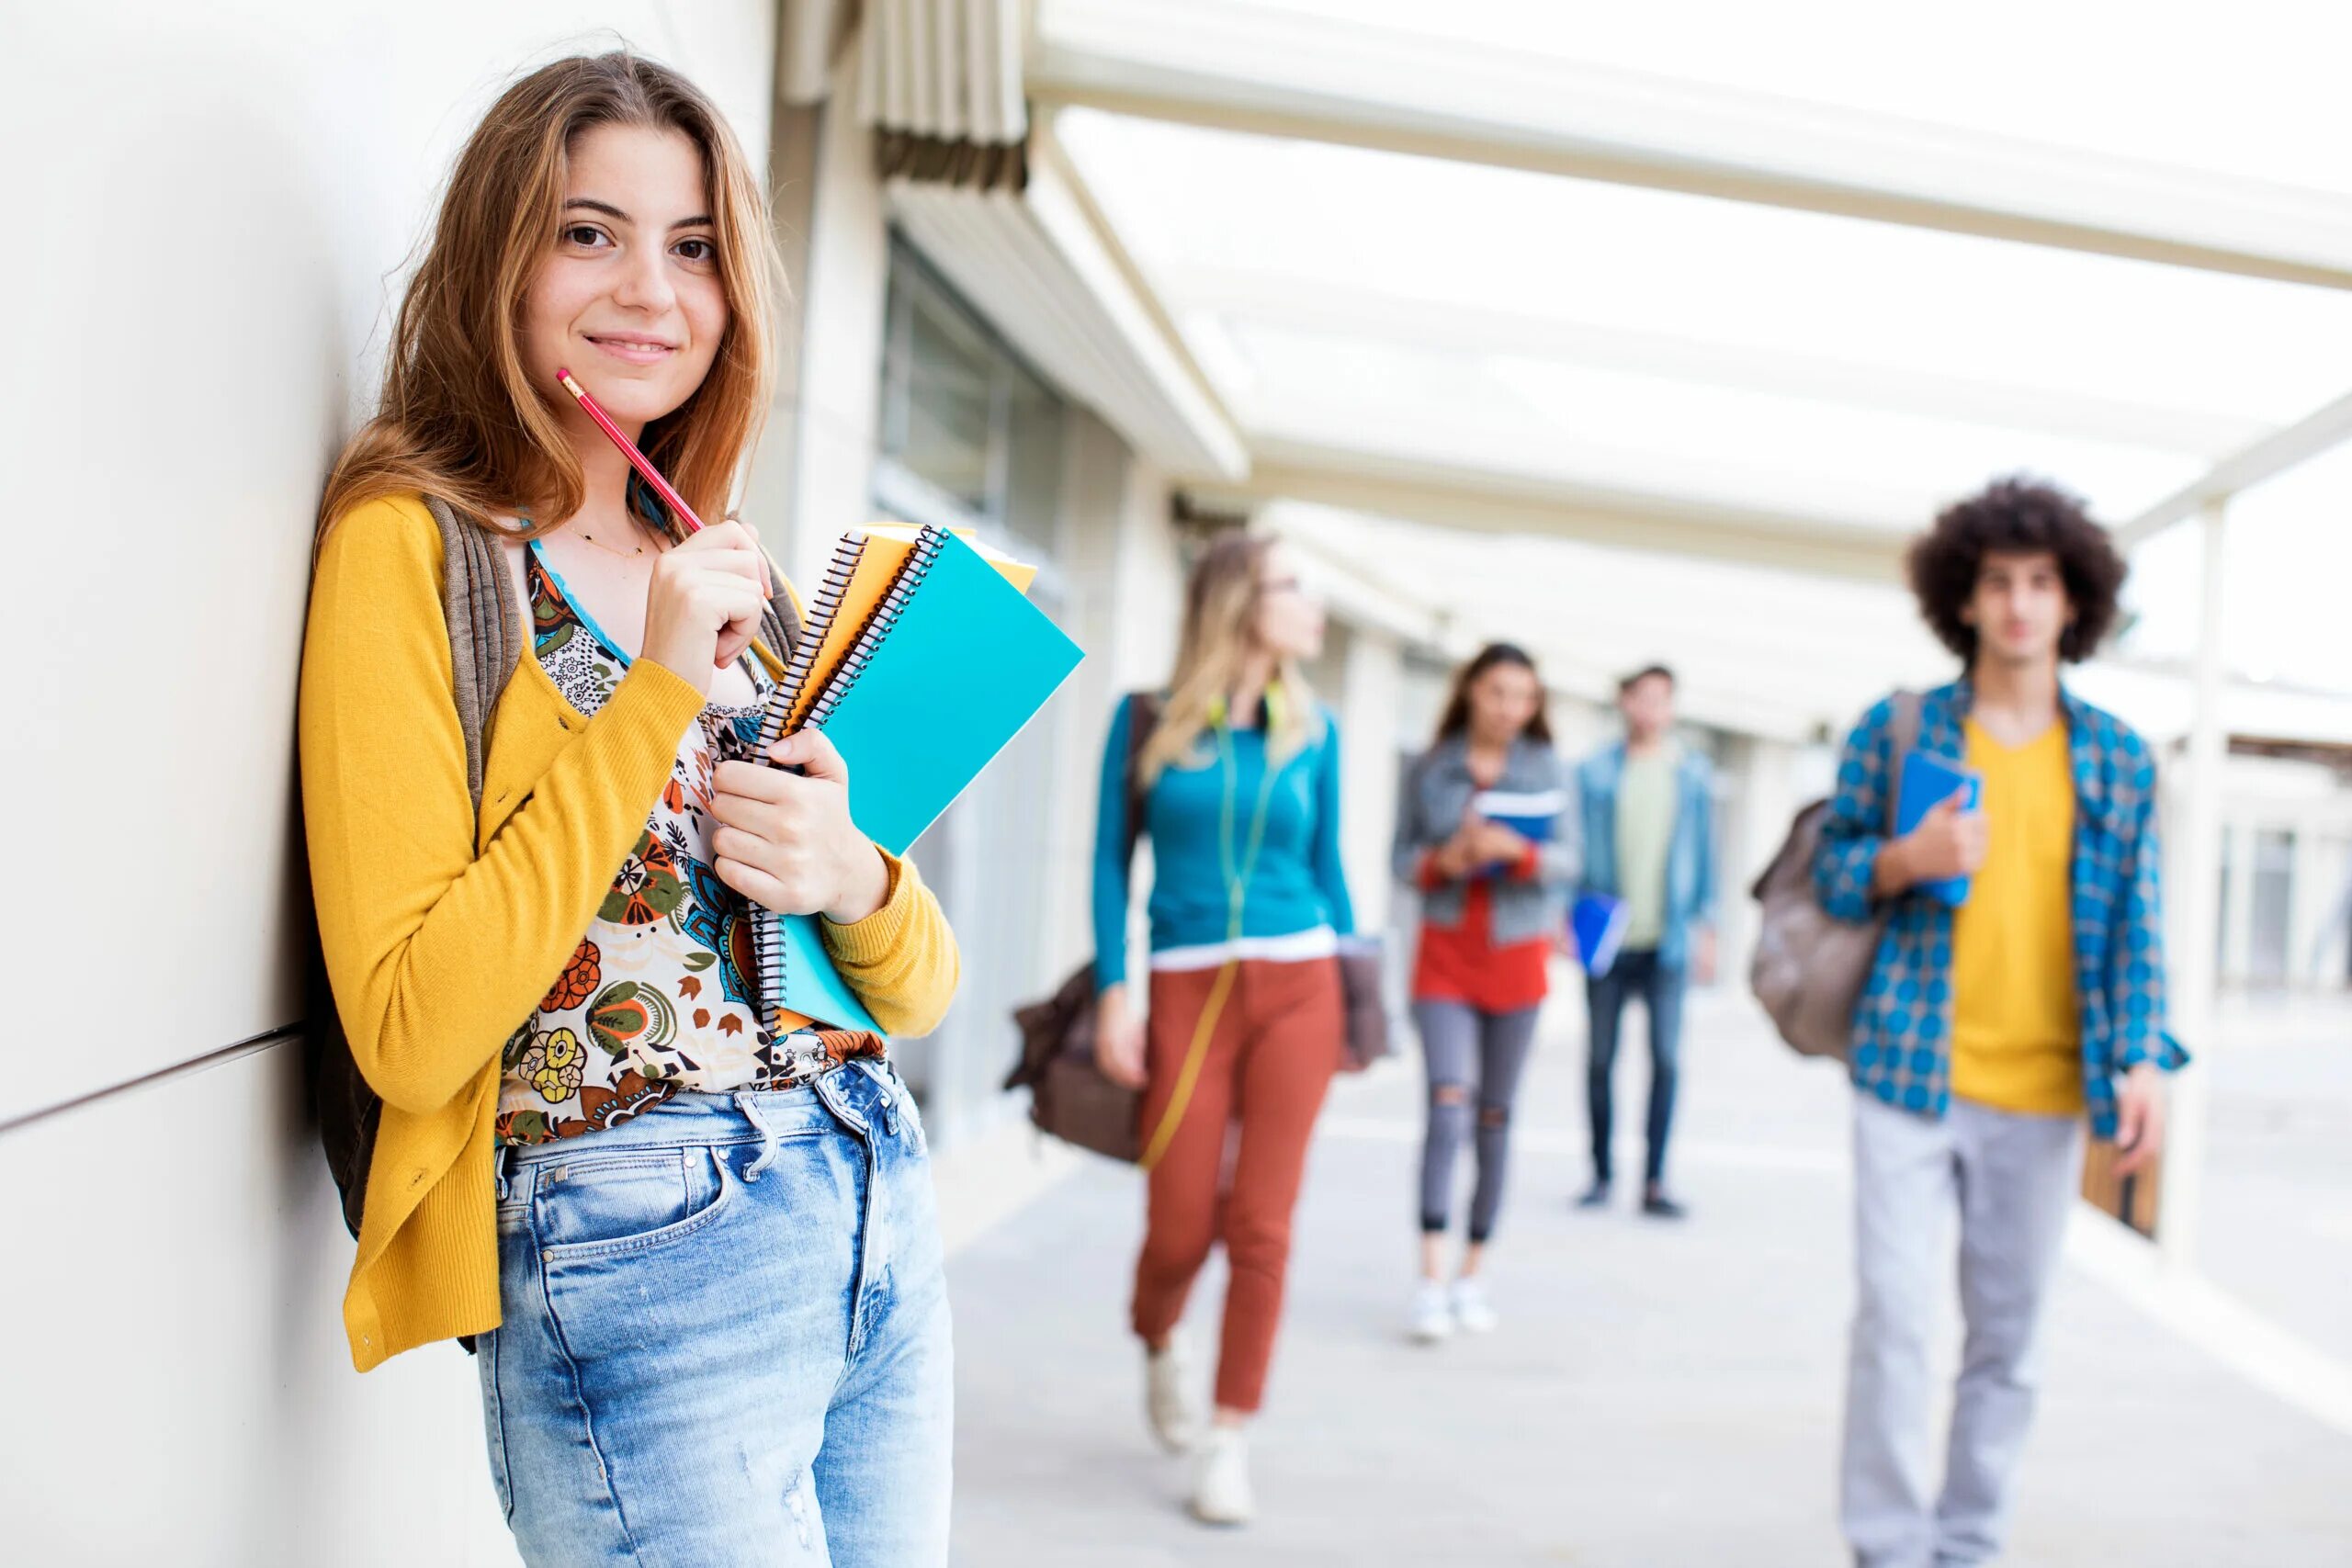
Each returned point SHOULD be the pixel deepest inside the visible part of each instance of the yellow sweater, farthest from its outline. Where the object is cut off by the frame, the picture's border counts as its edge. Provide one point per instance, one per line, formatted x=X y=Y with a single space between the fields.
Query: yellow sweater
x=440 y=934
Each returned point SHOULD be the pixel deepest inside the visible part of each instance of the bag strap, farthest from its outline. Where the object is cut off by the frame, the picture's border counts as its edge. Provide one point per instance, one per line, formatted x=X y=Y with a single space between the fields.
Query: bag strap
x=780 y=621
x=1903 y=736
x=1143 y=718
x=485 y=629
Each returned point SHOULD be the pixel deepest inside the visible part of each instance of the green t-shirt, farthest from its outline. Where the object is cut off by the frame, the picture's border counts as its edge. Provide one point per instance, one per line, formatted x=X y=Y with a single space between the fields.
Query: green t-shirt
x=1645 y=805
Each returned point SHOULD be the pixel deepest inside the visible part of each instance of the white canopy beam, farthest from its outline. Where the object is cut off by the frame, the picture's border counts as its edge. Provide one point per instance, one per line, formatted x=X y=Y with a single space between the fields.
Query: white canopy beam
x=1241 y=67
x=2266 y=460
x=1338 y=307
x=1486 y=501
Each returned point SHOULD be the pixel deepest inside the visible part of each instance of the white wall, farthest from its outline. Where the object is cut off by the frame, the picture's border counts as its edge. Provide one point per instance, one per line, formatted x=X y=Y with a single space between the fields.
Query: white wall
x=216 y=201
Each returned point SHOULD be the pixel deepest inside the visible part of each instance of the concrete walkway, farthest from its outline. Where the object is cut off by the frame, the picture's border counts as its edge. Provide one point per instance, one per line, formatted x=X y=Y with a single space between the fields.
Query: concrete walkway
x=1657 y=1397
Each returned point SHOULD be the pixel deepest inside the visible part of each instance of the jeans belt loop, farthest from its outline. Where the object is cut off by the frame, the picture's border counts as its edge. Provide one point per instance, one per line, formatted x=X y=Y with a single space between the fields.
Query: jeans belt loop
x=749 y=1104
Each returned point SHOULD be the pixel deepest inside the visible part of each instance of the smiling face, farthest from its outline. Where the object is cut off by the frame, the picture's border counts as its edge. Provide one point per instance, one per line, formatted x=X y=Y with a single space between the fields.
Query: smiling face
x=2019 y=607
x=630 y=298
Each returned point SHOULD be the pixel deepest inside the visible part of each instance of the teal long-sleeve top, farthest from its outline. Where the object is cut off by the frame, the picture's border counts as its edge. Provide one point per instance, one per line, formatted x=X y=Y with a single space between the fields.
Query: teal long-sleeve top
x=1295 y=885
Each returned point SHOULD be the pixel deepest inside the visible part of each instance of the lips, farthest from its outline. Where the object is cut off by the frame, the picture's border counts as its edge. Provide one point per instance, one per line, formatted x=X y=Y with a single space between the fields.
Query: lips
x=632 y=347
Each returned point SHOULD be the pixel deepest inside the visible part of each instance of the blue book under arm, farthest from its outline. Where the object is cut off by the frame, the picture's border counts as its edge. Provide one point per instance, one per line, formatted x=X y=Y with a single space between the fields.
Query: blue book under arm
x=1927 y=782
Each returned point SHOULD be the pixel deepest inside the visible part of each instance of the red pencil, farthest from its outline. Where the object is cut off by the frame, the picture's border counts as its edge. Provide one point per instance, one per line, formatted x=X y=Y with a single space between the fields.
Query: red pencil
x=636 y=459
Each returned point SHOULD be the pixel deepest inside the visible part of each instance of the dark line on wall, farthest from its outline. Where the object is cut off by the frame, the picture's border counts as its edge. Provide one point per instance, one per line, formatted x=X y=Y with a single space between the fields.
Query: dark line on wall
x=195 y=1064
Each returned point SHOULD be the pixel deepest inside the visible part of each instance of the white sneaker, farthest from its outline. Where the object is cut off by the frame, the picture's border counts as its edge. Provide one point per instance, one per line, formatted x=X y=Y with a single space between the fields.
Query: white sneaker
x=1175 y=1415
x=1471 y=1310
x=1221 y=1479
x=1432 y=1314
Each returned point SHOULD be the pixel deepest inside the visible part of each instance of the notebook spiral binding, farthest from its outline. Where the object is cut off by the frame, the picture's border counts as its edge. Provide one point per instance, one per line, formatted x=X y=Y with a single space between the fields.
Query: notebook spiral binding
x=785 y=695
x=927 y=546
x=767 y=932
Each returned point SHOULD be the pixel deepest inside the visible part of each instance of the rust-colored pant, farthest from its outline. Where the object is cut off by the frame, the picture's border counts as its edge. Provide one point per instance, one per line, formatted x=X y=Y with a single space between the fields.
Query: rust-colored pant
x=1270 y=1060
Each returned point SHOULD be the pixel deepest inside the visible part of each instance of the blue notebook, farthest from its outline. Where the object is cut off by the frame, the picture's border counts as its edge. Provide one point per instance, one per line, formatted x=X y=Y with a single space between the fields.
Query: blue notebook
x=950 y=666
x=1596 y=921
x=1929 y=780
x=1529 y=813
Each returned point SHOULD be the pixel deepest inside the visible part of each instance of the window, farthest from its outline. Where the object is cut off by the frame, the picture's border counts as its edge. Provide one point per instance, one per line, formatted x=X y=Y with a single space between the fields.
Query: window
x=970 y=437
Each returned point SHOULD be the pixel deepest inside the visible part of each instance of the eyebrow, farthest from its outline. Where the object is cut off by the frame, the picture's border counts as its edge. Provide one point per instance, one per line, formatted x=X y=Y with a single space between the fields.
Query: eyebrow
x=699 y=220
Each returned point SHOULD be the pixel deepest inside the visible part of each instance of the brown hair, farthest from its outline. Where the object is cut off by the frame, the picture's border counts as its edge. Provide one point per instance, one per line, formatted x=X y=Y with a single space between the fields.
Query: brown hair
x=1455 y=719
x=459 y=418
x=2017 y=516
x=1219 y=598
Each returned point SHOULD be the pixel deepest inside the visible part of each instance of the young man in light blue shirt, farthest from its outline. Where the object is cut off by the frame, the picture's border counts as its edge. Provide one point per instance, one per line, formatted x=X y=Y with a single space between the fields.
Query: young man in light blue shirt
x=1648 y=812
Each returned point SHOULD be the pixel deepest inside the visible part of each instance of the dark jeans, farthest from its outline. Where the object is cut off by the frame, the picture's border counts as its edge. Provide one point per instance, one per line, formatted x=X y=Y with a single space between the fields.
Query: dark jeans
x=1660 y=988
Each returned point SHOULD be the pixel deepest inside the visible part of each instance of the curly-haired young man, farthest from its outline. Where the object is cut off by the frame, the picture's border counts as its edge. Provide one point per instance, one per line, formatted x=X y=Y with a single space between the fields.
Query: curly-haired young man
x=1987 y=1031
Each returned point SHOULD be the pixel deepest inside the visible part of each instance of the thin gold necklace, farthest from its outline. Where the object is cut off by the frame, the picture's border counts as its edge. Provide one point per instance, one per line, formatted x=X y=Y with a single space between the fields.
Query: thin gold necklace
x=609 y=549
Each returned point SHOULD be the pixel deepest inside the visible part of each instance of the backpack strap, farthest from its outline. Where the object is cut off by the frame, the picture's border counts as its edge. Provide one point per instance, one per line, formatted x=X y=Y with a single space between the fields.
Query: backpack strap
x=1903 y=735
x=485 y=629
x=1143 y=718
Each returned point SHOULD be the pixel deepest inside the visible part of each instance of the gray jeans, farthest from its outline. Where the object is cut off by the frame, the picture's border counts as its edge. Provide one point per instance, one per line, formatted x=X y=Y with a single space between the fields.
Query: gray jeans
x=2011 y=1180
x=1464 y=1049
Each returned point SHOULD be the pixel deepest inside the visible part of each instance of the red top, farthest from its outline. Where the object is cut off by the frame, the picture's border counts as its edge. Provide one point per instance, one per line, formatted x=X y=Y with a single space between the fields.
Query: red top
x=1462 y=964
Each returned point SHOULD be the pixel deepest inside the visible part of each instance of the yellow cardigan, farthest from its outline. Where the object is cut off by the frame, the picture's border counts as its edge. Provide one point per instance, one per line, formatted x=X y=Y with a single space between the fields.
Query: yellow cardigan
x=441 y=933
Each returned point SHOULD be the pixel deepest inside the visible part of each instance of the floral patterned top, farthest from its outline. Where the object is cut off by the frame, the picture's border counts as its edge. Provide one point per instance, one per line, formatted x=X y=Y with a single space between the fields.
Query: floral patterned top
x=658 y=996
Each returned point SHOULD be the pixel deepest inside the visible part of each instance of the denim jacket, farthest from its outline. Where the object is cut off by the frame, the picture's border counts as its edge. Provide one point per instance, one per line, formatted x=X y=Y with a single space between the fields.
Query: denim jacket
x=1689 y=857
x=1901 y=1048
x=1438 y=789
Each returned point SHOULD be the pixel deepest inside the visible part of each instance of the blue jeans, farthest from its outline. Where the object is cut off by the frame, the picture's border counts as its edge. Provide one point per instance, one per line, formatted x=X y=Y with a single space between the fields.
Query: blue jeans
x=1660 y=988
x=726 y=1337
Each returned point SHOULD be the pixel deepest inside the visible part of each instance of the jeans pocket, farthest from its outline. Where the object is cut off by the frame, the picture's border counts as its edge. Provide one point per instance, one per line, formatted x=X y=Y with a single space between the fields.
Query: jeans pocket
x=629 y=1200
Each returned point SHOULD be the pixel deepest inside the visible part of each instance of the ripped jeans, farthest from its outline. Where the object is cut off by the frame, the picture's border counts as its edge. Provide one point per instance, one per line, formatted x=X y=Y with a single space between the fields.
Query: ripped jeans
x=726 y=1336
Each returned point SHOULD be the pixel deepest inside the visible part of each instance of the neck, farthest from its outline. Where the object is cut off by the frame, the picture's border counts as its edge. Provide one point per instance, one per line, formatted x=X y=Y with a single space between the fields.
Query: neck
x=1640 y=745
x=2024 y=687
x=1487 y=744
x=1256 y=672
x=605 y=474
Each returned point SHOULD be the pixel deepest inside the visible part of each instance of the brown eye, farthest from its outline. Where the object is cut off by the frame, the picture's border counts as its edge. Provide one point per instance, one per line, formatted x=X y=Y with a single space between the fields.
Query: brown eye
x=697 y=250
x=584 y=234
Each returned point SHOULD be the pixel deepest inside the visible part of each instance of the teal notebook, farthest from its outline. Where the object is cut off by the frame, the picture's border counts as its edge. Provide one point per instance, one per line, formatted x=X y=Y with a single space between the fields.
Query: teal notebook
x=950 y=666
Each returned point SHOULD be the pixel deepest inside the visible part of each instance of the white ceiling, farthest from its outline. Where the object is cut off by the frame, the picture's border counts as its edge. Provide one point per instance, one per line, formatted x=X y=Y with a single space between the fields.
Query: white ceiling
x=1764 y=286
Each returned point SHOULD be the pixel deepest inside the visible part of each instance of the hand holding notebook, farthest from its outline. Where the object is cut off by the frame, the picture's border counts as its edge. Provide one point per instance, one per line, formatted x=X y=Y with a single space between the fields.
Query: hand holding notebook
x=1927 y=782
x=1530 y=814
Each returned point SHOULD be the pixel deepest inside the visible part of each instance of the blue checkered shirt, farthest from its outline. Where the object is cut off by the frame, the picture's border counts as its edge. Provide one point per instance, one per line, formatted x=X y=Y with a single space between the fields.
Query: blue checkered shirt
x=1902 y=1045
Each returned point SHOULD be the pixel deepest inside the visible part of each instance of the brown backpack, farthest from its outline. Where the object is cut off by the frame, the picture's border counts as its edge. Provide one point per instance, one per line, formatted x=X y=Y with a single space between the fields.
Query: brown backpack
x=1810 y=967
x=1068 y=1095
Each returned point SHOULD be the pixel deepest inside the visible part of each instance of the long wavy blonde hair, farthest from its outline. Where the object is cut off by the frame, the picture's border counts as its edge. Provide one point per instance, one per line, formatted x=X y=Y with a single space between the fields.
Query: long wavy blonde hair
x=459 y=418
x=1220 y=605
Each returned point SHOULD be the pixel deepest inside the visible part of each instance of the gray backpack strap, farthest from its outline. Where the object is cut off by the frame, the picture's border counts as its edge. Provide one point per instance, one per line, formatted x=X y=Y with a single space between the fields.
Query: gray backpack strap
x=1903 y=737
x=485 y=629
x=780 y=622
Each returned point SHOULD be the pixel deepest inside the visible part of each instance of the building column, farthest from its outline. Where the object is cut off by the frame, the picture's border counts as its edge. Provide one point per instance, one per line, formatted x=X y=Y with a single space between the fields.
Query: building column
x=1371 y=684
x=2193 y=944
x=814 y=474
x=2235 y=939
x=1763 y=801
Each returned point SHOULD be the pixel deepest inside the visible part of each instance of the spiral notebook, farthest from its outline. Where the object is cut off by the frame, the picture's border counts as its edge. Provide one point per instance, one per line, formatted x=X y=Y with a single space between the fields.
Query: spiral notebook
x=921 y=660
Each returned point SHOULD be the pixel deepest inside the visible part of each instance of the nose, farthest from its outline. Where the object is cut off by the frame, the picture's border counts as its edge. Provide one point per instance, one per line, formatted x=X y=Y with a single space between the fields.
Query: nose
x=645 y=283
